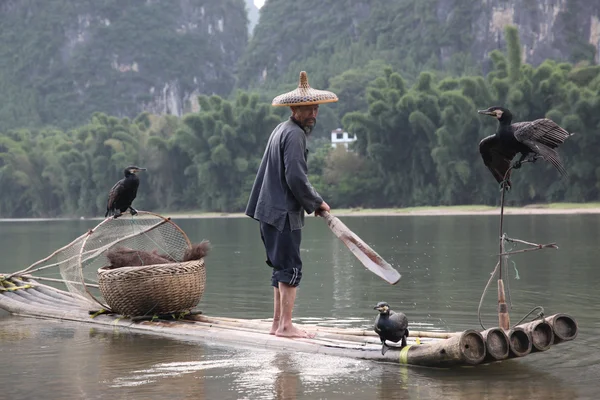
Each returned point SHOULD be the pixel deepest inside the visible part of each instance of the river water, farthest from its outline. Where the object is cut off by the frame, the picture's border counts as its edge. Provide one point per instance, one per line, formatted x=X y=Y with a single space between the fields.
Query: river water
x=445 y=262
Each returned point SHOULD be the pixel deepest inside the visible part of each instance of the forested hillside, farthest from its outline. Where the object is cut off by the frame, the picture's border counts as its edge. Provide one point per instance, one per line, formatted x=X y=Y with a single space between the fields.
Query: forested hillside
x=62 y=60
x=327 y=37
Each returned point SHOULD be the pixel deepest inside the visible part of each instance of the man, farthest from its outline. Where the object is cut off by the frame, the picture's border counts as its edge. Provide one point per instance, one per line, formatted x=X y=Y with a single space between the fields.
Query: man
x=282 y=193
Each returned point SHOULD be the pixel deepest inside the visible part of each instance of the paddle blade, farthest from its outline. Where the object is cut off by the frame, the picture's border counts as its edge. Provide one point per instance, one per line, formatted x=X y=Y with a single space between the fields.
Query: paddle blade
x=362 y=251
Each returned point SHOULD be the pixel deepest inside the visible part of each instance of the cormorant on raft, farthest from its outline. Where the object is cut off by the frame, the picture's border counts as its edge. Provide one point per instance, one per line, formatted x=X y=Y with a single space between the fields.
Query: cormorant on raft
x=123 y=193
x=535 y=139
x=390 y=325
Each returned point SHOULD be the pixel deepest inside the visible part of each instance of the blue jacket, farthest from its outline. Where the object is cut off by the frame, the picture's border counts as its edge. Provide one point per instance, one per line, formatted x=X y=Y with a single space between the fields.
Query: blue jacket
x=281 y=189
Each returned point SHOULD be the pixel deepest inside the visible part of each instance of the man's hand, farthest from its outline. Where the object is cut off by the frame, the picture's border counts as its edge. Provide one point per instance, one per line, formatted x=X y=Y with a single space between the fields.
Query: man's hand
x=323 y=207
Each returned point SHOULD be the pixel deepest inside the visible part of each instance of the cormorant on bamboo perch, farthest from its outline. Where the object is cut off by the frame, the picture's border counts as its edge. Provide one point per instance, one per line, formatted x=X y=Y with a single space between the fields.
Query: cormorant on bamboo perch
x=536 y=139
x=123 y=193
x=390 y=325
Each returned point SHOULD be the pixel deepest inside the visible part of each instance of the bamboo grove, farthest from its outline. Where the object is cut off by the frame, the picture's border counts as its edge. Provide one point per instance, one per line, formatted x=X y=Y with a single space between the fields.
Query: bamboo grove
x=417 y=145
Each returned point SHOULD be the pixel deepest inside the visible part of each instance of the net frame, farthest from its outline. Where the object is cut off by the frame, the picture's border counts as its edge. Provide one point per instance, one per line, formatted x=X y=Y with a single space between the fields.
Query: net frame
x=86 y=254
x=163 y=220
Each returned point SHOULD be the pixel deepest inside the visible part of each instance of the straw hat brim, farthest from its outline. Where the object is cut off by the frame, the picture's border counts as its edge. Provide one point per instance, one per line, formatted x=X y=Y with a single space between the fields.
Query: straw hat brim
x=304 y=95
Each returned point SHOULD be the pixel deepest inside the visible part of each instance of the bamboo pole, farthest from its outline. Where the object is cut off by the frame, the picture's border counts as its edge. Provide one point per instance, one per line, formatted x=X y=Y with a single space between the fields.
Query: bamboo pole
x=50 y=299
x=468 y=348
x=541 y=333
x=496 y=344
x=503 y=317
x=41 y=278
x=54 y=292
x=265 y=327
x=345 y=331
x=520 y=342
x=564 y=327
x=320 y=338
x=34 y=298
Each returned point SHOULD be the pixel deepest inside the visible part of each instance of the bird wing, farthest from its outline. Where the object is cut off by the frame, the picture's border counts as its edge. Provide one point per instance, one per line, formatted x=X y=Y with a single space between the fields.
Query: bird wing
x=548 y=153
x=543 y=136
x=544 y=131
x=496 y=157
x=114 y=194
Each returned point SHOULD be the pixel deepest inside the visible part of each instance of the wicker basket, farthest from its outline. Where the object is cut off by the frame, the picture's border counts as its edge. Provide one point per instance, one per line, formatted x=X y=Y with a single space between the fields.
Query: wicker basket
x=153 y=289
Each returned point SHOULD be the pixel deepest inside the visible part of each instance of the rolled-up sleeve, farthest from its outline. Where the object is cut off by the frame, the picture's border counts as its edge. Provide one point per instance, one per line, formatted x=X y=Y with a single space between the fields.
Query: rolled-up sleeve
x=296 y=172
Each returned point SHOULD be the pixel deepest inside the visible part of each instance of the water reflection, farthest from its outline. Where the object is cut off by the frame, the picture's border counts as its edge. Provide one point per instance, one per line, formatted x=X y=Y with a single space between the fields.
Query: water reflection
x=126 y=360
x=511 y=380
x=444 y=261
x=287 y=381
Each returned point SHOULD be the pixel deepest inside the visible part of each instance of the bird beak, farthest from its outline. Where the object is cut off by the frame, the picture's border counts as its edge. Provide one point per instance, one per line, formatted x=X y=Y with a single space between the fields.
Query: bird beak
x=486 y=112
x=140 y=169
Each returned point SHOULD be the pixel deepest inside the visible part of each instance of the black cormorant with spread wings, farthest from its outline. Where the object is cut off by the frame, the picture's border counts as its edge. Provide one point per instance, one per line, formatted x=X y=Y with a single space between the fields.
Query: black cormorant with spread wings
x=536 y=139
x=123 y=193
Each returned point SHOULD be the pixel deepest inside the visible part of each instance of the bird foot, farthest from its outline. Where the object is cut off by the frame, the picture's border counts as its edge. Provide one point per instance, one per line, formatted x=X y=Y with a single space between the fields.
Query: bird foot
x=517 y=165
x=133 y=211
x=505 y=185
x=117 y=215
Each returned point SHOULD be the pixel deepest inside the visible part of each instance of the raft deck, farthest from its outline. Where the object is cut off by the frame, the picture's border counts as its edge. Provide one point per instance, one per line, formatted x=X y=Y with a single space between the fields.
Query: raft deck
x=28 y=298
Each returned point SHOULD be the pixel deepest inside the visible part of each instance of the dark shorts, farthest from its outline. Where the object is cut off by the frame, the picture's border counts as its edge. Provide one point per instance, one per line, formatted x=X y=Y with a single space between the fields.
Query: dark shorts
x=283 y=253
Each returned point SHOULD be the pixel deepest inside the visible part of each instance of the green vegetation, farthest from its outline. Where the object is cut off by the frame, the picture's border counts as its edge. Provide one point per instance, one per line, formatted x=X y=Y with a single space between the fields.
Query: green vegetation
x=61 y=148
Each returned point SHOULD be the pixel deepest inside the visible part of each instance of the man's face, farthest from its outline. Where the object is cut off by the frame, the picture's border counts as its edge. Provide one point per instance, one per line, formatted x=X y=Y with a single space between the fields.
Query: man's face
x=306 y=115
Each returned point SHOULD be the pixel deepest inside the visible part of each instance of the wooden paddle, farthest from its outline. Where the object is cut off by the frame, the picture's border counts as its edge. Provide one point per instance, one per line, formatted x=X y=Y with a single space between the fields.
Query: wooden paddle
x=365 y=254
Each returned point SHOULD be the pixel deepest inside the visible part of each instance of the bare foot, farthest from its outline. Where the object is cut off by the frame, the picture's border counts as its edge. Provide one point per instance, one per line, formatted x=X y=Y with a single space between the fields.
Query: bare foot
x=292 y=331
x=274 y=327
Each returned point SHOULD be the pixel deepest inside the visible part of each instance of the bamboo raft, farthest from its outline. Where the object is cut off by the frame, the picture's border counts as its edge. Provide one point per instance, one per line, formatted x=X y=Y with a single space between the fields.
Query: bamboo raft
x=29 y=298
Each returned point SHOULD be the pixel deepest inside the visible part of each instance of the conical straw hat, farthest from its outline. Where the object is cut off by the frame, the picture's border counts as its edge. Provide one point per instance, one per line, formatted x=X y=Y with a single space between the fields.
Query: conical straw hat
x=304 y=95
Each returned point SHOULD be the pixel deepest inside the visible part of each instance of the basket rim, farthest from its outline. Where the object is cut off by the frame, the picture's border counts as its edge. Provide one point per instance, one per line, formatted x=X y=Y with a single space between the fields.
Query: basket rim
x=106 y=269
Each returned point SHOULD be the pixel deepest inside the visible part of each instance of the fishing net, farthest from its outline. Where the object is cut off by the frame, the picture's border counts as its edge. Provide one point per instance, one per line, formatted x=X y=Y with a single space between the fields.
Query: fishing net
x=79 y=261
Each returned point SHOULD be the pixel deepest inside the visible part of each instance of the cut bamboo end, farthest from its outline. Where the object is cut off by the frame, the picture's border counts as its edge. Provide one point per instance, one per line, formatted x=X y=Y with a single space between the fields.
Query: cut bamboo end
x=466 y=348
x=496 y=344
x=541 y=333
x=519 y=341
x=472 y=347
x=564 y=326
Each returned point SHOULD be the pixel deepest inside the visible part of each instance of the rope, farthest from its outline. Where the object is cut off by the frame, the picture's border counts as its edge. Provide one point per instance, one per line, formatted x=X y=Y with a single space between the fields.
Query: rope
x=539 y=315
x=6 y=285
x=13 y=288
x=101 y=311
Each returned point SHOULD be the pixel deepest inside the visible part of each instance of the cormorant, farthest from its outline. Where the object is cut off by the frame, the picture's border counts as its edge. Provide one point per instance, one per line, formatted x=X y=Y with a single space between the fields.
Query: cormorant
x=123 y=193
x=390 y=325
x=540 y=137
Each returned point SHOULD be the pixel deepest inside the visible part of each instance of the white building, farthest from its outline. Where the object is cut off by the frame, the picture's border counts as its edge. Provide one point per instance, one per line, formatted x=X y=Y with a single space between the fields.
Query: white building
x=341 y=138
